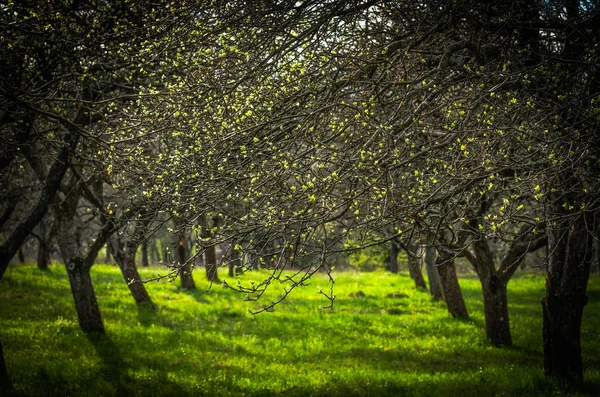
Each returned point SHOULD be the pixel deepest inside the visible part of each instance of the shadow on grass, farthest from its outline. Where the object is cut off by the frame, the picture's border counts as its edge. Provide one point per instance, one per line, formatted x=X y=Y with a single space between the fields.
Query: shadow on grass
x=114 y=368
x=194 y=293
x=115 y=371
x=146 y=312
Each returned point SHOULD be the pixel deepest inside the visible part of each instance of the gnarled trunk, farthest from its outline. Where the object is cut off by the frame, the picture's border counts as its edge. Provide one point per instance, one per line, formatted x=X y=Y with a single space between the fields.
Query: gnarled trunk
x=493 y=286
x=495 y=306
x=570 y=251
x=185 y=272
x=414 y=266
x=435 y=284
x=84 y=296
x=451 y=288
x=51 y=185
x=125 y=259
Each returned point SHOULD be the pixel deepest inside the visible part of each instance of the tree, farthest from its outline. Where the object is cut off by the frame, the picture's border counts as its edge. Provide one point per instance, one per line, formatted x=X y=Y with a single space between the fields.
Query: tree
x=414 y=264
x=435 y=286
x=393 y=256
x=124 y=248
x=303 y=125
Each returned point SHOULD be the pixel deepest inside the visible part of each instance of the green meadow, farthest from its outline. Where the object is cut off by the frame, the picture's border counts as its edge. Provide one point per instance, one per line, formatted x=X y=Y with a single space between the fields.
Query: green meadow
x=382 y=338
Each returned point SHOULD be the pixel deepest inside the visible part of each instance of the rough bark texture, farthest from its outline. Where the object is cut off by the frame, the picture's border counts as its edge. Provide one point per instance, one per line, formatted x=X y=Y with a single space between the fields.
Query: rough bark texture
x=132 y=276
x=78 y=270
x=414 y=266
x=84 y=296
x=79 y=263
x=393 y=259
x=451 y=288
x=124 y=254
x=185 y=273
x=211 y=264
x=493 y=285
x=570 y=251
x=51 y=185
x=435 y=284
x=495 y=306
x=145 y=261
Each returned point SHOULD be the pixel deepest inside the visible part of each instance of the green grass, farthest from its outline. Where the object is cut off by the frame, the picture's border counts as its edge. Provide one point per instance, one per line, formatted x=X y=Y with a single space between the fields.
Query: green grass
x=206 y=343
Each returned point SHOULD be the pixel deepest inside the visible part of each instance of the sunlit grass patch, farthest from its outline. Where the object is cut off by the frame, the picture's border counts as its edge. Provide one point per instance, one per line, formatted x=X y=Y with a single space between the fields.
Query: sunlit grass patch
x=383 y=337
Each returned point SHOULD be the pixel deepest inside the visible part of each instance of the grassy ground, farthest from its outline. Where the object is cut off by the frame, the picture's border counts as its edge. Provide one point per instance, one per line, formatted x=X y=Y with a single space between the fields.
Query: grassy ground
x=387 y=340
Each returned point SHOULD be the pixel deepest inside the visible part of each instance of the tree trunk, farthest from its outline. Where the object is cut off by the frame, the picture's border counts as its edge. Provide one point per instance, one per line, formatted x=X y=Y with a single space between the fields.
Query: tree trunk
x=235 y=264
x=569 y=247
x=78 y=269
x=5 y=382
x=254 y=260
x=124 y=255
x=231 y=268
x=43 y=257
x=165 y=255
x=211 y=265
x=86 y=304
x=393 y=258
x=435 y=285
x=43 y=254
x=495 y=306
x=145 y=262
x=493 y=286
x=107 y=255
x=131 y=274
x=21 y=255
x=185 y=272
x=451 y=287
x=597 y=247
x=154 y=254
x=414 y=266
x=51 y=185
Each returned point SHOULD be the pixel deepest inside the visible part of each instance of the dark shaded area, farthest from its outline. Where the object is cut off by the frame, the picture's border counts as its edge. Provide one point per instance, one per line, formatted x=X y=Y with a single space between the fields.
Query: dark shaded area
x=5 y=382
